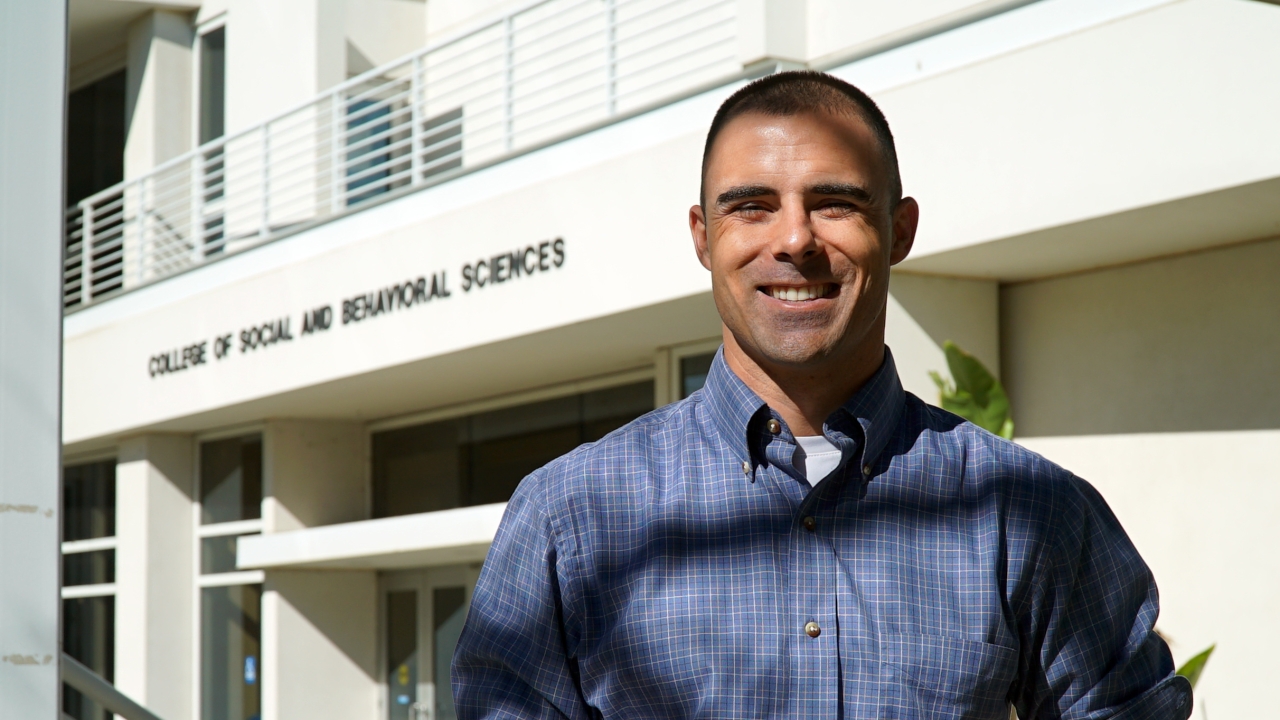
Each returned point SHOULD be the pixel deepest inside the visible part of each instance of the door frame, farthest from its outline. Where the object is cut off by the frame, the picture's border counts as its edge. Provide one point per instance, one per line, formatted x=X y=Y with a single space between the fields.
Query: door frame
x=423 y=581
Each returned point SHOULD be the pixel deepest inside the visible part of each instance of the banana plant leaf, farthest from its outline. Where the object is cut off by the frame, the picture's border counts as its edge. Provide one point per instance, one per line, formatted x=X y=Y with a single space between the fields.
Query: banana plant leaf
x=1192 y=668
x=976 y=395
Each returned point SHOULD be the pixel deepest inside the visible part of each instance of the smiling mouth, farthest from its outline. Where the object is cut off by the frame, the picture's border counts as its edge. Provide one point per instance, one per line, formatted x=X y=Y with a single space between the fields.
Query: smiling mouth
x=800 y=293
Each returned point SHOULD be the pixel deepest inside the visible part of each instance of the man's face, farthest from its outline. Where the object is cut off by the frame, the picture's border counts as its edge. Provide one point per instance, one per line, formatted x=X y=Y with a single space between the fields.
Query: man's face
x=799 y=231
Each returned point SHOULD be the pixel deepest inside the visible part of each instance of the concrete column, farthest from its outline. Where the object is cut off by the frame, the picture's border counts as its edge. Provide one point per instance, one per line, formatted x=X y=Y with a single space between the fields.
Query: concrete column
x=314 y=473
x=319 y=628
x=771 y=31
x=926 y=311
x=319 y=645
x=158 y=79
x=302 y=41
x=155 y=573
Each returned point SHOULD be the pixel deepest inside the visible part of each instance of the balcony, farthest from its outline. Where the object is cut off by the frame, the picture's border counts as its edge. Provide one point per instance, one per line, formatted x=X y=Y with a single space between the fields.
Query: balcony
x=548 y=70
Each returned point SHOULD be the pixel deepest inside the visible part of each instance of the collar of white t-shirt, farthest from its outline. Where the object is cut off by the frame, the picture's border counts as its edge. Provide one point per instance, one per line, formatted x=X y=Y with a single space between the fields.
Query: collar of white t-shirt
x=816 y=457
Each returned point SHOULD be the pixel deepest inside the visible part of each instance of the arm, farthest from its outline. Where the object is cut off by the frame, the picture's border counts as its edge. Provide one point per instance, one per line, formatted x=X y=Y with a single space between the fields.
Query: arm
x=1091 y=647
x=511 y=660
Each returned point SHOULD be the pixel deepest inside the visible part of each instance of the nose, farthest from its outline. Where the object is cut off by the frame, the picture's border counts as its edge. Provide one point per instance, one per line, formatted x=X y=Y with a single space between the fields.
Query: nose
x=793 y=239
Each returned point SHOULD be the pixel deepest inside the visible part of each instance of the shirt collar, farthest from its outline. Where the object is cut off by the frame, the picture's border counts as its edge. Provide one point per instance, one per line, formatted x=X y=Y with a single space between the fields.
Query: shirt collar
x=876 y=406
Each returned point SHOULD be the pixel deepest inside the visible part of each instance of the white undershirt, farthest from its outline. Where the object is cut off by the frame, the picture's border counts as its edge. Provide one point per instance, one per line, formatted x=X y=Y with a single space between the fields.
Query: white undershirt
x=816 y=457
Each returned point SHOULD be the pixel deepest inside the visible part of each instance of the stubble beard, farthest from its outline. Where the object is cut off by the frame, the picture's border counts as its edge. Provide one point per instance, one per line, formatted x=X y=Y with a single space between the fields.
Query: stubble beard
x=794 y=342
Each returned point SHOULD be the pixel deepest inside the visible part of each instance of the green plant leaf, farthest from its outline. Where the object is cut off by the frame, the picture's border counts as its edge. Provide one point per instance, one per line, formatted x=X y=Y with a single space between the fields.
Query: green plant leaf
x=1192 y=668
x=977 y=395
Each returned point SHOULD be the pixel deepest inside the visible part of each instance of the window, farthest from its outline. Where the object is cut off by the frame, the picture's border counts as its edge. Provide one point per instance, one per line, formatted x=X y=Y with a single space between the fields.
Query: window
x=481 y=458
x=423 y=612
x=213 y=84
x=95 y=137
x=230 y=682
x=401 y=643
x=230 y=507
x=88 y=577
x=383 y=150
x=213 y=125
x=693 y=373
x=95 y=162
x=448 y=614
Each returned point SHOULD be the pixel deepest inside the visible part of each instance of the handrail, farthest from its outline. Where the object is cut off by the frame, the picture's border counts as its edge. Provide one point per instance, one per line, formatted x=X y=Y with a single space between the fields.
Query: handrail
x=544 y=70
x=92 y=685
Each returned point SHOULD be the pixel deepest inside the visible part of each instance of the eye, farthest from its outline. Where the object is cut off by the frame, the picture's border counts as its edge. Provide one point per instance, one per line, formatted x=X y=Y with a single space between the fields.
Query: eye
x=837 y=208
x=750 y=210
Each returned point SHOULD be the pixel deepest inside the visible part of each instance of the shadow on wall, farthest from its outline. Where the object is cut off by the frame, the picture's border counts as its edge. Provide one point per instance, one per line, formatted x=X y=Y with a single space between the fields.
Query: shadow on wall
x=1187 y=343
x=925 y=311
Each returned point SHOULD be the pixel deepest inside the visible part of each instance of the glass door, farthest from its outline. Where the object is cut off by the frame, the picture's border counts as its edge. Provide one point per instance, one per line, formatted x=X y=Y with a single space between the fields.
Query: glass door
x=422 y=616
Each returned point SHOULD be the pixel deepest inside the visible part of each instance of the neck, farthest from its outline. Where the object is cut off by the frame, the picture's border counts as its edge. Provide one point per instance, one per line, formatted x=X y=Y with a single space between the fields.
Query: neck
x=805 y=396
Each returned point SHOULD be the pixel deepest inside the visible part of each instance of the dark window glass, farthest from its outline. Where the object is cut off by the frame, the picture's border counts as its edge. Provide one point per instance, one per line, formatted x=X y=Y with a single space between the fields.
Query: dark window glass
x=509 y=444
x=402 y=654
x=418 y=469
x=95 y=137
x=368 y=137
x=693 y=373
x=213 y=84
x=89 y=500
x=604 y=411
x=231 y=480
x=230 y=658
x=89 y=568
x=449 y=611
x=442 y=143
x=88 y=635
x=218 y=554
x=480 y=459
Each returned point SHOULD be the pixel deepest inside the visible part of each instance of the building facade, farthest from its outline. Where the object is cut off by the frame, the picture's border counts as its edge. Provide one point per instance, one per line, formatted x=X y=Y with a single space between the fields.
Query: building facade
x=339 y=273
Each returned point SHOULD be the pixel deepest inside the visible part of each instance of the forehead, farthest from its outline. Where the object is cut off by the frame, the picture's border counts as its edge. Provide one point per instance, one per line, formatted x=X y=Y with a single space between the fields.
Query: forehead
x=754 y=145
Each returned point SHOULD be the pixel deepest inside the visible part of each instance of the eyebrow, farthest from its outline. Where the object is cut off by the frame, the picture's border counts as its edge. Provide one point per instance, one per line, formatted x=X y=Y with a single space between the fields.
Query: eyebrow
x=856 y=192
x=742 y=192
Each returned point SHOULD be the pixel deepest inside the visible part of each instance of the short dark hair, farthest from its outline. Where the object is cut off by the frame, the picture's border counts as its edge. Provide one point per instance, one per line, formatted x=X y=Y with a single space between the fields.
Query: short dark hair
x=795 y=92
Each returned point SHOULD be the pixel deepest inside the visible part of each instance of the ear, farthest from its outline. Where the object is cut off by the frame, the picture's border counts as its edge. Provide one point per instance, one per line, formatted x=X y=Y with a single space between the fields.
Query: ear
x=906 y=217
x=698 y=228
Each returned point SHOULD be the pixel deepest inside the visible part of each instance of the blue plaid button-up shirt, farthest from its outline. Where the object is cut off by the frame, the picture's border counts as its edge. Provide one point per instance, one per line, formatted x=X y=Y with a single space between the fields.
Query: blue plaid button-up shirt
x=682 y=567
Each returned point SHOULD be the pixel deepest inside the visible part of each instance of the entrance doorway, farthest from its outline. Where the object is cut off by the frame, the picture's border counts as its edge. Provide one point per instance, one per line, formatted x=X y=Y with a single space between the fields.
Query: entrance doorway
x=422 y=612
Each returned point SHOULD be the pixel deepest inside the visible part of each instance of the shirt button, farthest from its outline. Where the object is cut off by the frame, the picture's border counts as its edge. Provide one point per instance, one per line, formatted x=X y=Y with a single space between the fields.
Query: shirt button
x=746 y=467
x=812 y=629
x=774 y=426
x=809 y=524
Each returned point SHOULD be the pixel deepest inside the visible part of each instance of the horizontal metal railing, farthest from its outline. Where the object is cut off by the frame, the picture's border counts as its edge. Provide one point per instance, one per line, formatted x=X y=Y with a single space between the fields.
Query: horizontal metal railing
x=537 y=73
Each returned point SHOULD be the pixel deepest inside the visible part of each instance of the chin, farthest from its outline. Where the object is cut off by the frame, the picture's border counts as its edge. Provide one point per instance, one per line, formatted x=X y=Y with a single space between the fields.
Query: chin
x=795 y=351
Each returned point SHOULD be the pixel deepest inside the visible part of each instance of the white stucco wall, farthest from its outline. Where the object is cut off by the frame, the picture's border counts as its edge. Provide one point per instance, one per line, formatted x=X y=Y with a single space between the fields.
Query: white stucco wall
x=1203 y=509
x=319 y=645
x=1157 y=382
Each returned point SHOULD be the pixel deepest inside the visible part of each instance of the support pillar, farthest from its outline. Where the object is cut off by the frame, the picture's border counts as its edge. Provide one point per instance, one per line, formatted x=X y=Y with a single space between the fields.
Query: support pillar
x=155 y=574
x=158 y=79
x=317 y=623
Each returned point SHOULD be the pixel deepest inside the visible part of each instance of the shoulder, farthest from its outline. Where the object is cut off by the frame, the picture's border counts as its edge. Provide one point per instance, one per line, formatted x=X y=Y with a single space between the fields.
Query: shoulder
x=1031 y=488
x=615 y=472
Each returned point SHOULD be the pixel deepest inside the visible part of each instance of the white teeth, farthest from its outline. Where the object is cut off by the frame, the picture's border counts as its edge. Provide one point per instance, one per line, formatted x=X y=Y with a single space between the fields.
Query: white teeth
x=792 y=294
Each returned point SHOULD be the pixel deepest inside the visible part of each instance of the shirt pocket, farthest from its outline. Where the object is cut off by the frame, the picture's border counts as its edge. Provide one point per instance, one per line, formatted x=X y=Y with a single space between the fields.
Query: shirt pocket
x=935 y=677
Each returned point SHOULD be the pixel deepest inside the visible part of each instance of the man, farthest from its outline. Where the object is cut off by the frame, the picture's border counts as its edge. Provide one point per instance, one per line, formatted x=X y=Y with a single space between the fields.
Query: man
x=802 y=538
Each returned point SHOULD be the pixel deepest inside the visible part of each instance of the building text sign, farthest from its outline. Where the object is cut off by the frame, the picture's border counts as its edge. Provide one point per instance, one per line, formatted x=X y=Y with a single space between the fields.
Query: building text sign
x=399 y=297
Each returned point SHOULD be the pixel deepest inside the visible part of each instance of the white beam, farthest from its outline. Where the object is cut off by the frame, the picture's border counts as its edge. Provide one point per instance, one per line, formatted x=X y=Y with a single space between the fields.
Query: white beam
x=436 y=538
